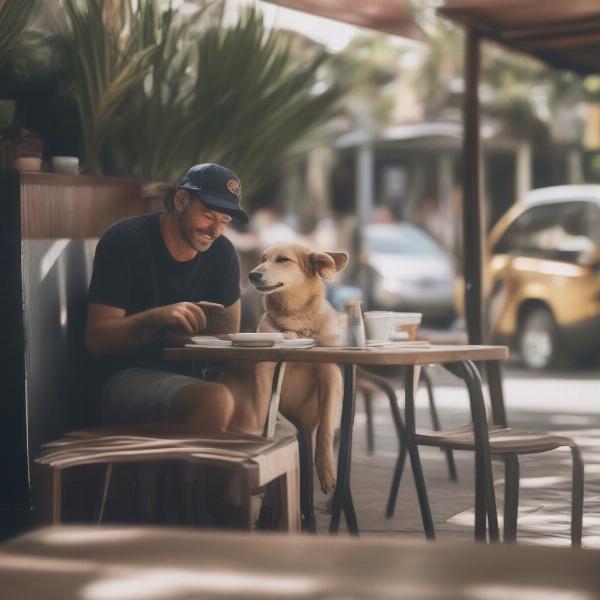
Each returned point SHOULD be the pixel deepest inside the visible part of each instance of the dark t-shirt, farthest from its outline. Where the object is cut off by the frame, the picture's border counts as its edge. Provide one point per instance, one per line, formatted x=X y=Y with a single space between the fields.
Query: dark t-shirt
x=134 y=270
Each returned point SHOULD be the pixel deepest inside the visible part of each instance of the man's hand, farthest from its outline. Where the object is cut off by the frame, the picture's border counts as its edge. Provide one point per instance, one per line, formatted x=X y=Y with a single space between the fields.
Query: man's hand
x=184 y=317
x=111 y=331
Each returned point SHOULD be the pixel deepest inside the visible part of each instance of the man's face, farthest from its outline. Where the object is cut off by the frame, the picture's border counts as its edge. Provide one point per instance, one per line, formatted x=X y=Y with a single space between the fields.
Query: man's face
x=199 y=225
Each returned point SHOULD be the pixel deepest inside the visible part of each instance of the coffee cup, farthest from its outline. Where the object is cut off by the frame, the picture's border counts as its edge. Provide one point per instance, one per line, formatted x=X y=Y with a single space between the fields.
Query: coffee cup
x=402 y=324
x=378 y=325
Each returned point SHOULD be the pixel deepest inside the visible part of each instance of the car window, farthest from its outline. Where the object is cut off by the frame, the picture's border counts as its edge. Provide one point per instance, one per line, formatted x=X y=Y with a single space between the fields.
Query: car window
x=561 y=231
x=399 y=241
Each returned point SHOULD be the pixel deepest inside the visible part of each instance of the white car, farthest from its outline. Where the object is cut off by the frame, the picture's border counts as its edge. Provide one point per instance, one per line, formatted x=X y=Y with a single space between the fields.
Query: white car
x=408 y=271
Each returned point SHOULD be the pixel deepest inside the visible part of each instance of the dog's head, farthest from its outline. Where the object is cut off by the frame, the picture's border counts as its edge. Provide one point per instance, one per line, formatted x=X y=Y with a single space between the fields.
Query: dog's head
x=287 y=266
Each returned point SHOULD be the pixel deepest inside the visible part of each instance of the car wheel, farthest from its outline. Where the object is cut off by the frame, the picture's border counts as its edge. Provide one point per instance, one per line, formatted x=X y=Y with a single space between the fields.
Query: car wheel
x=538 y=340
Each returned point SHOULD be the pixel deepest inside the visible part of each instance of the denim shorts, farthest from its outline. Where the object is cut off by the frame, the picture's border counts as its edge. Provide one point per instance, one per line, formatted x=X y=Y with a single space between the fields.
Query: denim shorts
x=138 y=395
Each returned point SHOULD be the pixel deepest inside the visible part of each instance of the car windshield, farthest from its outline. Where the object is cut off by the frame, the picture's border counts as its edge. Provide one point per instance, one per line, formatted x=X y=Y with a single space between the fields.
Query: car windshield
x=399 y=240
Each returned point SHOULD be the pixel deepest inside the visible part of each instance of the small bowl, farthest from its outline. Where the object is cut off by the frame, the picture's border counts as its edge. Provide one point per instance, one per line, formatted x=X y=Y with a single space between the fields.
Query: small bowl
x=31 y=164
x=66 y=165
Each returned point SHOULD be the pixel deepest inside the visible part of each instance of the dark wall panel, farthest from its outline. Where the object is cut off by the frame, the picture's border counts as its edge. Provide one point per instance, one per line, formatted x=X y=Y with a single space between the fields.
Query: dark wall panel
x=49 y=228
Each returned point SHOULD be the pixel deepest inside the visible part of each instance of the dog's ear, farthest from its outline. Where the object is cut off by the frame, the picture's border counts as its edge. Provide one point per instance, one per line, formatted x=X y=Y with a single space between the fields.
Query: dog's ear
x=340 y=259
x=327 y=264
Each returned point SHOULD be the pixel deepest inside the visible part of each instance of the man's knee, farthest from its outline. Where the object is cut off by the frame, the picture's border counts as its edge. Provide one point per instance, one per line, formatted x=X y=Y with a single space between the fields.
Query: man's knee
x=203 y=404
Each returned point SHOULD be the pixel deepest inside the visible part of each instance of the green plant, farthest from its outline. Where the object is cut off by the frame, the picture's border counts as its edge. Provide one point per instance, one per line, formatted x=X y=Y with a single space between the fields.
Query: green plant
x=105 y=66
x=14 y=17
x=148 y=145
x=255 y=99
x=238 y=95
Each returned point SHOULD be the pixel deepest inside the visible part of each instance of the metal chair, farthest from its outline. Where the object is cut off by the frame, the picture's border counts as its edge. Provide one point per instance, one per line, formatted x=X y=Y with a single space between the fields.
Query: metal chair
x=500 y=441
x=368 y=383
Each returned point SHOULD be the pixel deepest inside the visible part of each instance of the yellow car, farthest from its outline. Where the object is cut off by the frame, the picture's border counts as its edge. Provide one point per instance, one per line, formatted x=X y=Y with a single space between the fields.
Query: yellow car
x=544 y=285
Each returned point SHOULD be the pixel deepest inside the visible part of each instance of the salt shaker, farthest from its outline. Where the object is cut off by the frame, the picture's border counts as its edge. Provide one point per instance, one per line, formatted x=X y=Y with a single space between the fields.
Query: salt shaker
x=355 y=327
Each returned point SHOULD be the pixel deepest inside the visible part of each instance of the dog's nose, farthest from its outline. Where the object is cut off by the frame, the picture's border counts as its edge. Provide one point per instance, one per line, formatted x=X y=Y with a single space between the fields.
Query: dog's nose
x=255 y=277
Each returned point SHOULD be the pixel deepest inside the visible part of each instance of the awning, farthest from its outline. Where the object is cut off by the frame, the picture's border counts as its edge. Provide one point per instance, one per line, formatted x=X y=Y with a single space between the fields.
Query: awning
x=387 y=16
x=562 y=33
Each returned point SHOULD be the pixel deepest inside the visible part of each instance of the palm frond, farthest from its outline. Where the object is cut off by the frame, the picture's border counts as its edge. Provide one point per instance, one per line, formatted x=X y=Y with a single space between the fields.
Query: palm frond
x=105 y=69
x=14 y=17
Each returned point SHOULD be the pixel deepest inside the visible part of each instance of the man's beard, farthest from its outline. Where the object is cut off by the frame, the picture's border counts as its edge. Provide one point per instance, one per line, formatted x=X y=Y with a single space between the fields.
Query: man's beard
x=198 y=239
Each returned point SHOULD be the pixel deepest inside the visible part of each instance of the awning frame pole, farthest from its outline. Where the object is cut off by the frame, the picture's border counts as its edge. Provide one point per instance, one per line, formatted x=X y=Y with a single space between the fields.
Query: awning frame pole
x=471 y=175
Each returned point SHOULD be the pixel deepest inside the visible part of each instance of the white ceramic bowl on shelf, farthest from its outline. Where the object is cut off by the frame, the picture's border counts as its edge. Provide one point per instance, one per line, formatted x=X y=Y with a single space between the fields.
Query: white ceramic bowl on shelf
x=30 y=164
x=65 y=165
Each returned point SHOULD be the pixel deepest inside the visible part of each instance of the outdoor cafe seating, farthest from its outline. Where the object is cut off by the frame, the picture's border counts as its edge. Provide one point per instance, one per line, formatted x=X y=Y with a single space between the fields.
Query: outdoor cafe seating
x=503 y=442
x=256 y=462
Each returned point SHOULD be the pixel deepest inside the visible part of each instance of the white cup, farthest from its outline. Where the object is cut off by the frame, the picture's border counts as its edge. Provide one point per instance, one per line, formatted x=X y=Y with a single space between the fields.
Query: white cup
x=66 y=165
x=404 y=325
x=378 y=324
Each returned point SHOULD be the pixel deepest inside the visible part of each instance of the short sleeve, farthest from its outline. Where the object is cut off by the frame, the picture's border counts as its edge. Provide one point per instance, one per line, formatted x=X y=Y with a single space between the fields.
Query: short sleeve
x=225 y=284
x=111 y=275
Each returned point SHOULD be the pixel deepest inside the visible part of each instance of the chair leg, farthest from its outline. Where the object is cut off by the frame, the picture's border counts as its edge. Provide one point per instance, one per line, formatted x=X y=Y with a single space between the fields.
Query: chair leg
x=246 y=502
x=492 y=513
x=436 y=423
x=577 y=497
x=511 y=496
x=393 y=495
x=56 y=496
x=388 y=390
x=289 y=489
x=148 y=474
x=107 y=478
x=369 y=415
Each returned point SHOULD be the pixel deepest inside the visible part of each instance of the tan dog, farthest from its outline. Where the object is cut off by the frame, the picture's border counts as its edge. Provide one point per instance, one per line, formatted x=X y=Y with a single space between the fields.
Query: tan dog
x=290 y=277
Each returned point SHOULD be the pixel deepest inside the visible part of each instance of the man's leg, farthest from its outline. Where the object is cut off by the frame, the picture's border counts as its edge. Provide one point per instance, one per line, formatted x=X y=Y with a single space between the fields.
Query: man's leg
x=146 y=395
x=204 y=406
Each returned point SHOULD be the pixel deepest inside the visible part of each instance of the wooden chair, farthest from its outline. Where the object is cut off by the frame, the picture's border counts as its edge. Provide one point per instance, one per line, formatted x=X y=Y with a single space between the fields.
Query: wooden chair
x=257 y=461
x=500 y=441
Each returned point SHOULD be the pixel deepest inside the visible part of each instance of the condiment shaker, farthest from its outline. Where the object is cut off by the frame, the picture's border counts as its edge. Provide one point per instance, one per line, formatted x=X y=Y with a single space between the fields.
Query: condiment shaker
x=355 y=327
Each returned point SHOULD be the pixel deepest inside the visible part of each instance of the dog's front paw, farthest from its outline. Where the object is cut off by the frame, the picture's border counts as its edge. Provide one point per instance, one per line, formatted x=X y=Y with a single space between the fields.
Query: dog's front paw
x=326 y=471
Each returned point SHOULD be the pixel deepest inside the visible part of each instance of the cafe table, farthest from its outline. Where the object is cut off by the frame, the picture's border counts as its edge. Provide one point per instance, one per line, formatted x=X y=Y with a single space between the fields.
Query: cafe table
x=152 y=563
x=459 y=359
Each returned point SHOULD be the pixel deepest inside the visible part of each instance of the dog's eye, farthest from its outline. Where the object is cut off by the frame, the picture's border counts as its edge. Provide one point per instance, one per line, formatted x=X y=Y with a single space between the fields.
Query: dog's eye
x=282 y=259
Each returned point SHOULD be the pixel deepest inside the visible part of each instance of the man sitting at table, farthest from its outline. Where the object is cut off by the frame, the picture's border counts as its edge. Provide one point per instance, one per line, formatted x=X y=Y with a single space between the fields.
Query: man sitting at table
x=149 y=272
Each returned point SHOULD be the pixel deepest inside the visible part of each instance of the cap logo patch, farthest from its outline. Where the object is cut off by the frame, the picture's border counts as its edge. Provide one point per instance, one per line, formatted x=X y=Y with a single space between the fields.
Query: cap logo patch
x=233 y=185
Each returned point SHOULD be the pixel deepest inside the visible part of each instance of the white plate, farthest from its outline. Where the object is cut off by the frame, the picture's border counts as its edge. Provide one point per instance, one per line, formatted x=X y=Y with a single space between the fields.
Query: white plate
x=257 y=337
x=254 y=344
x=207 y=340
x=297 y=343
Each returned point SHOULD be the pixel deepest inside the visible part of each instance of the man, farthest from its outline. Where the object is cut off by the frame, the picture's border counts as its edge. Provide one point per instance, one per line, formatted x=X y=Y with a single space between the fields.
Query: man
x=149 y=272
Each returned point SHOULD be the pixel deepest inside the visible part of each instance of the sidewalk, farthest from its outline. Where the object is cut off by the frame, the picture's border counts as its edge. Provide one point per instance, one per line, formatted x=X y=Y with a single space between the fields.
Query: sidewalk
x=544 y=509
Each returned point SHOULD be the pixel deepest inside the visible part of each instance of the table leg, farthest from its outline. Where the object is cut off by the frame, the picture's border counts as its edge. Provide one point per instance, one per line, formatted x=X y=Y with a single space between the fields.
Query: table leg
x=411 y=383
x=342 y=497
x=494 y=378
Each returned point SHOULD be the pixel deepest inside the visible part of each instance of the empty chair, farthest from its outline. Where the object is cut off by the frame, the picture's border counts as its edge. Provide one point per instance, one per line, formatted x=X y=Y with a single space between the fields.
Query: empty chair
x=501 y=441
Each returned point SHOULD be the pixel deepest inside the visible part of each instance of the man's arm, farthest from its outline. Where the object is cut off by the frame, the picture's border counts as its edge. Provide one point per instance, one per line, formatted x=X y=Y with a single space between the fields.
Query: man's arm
x=224 y=321
x=110 y=331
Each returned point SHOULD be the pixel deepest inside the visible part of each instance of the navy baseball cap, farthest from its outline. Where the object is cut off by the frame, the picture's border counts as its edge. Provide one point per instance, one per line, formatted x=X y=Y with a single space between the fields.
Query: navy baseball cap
x=218 y=187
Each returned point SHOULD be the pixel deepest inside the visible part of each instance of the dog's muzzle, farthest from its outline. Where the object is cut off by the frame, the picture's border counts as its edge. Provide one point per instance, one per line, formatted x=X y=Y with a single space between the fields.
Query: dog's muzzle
x=255 y=277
